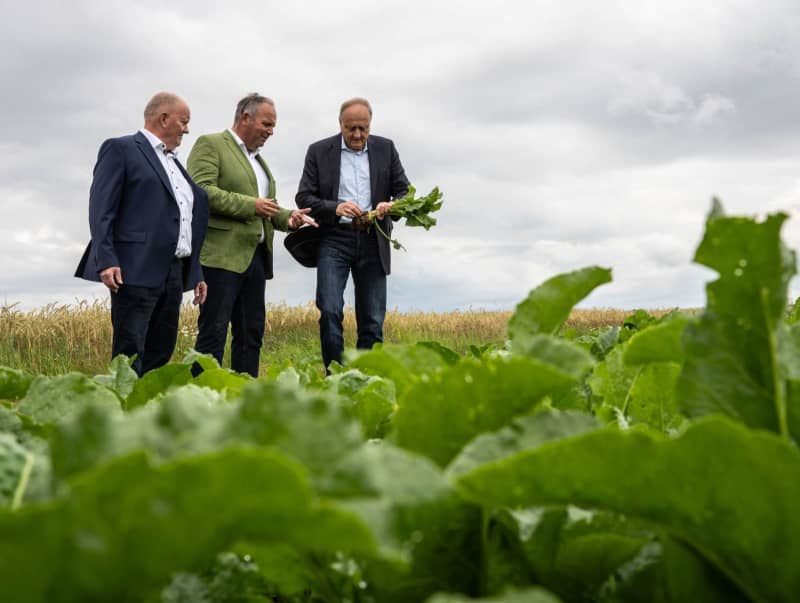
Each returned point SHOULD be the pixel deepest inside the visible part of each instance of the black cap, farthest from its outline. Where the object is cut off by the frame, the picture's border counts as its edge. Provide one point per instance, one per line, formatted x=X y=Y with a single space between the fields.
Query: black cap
x=303 y=244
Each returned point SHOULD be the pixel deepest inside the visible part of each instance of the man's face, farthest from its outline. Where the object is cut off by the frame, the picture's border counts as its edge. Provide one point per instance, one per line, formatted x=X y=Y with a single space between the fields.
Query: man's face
x=175 y=123
x=354 y=123
x=256 y=128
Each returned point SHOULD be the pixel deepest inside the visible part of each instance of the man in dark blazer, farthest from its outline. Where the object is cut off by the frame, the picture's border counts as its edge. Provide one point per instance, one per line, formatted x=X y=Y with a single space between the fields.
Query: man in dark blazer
x=147 y=221
x=345 y=176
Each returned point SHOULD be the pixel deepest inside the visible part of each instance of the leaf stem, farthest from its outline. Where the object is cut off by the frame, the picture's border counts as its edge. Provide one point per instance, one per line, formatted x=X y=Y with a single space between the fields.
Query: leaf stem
x=22 y=485
x=395 y=242
x=778 y=385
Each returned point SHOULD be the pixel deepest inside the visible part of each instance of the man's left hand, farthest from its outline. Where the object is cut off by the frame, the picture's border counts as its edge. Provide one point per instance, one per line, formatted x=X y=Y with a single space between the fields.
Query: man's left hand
x=383 y=208
x=298 y=217
x=200 y=292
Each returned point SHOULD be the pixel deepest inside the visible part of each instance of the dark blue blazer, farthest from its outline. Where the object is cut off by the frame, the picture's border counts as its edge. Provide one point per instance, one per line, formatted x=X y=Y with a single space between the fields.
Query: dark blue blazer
x=319 y=185
x=134 y=218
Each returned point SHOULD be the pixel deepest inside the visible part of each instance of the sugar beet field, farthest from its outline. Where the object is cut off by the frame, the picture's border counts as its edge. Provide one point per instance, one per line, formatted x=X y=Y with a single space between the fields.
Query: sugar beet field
x=507 y=458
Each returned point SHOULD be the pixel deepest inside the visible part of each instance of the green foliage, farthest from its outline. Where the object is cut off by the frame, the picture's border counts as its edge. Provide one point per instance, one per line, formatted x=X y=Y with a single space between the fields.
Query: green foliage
x=14 y=384
x=582 y=470
x=733 y=363
x=730 y=494
x=547 y=307
x=417 y=210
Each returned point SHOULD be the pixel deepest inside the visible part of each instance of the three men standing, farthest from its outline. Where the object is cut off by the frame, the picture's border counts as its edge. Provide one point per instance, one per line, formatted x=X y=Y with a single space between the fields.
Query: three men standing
x=151 y=230
x=343 y=177
x=147 y=221
x=237 y=254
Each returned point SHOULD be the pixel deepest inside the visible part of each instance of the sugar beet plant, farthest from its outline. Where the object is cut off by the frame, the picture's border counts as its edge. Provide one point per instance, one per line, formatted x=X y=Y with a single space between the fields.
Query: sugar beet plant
x=651 y=461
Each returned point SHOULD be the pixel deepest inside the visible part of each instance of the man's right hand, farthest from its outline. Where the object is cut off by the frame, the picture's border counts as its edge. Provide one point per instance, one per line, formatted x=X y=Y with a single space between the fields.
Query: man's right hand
x=348 y=209
x=266 y=208
x=112 y=277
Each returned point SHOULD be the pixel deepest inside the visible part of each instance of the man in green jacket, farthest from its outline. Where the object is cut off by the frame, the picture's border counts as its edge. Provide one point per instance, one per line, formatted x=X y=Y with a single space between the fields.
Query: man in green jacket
x=237 y=253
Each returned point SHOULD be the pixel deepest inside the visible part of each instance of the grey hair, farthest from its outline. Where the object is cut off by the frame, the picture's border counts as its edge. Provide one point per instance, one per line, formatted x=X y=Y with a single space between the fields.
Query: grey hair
x=249 y=104
x=160 y=102
x=355 y=101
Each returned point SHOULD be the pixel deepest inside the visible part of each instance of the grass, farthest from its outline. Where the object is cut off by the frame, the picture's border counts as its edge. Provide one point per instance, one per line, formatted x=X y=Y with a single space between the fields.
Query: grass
x=57 y=339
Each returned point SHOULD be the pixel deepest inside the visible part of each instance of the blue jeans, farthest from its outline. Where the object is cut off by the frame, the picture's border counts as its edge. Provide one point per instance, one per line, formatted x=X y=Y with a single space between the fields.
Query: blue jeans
x=237 y=299
x=145 y=320
x=341 y=253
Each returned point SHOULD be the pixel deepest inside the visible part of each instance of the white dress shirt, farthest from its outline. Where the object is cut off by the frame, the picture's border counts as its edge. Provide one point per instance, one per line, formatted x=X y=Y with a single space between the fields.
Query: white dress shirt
x=261 y=176
x=180 y=189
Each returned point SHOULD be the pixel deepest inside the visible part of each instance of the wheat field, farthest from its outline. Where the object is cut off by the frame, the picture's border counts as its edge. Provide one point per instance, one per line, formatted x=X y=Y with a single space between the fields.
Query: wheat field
x=57 y=339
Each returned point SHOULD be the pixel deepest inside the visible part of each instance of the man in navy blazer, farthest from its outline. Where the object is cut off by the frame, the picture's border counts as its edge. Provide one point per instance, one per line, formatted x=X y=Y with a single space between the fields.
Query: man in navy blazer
x=147 y=220
x=345 y=176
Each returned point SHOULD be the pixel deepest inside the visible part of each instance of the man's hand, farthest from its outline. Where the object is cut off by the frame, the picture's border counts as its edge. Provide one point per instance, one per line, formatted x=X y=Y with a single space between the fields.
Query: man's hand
x=298 y=217
x=383 y=208
x=200 y=292
x=112 y=278
x=348 y=209
x=266 y=208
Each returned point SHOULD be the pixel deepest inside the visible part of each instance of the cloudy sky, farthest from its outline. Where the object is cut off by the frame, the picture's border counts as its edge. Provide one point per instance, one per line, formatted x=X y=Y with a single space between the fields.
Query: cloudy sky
x=563 y=134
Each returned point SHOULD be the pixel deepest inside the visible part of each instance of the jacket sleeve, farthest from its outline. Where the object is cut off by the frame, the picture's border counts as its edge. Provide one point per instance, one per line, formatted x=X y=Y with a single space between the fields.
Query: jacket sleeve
x=398 y=181
x=105 y=196
x=204 y=168
x=397 y=175
x=308 y=193
x=281 y=220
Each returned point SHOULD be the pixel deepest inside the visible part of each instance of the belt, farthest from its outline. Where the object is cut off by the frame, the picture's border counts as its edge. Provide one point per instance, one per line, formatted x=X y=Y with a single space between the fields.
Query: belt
x=358 y=226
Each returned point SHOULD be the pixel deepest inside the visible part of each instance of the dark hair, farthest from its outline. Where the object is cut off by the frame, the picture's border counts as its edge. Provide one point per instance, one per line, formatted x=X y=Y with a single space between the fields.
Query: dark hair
x=249 y=104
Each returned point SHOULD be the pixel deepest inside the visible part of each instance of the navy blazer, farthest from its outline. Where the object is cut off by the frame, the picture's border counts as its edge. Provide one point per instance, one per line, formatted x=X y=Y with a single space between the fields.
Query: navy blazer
x=134 y=218
x=319 y=185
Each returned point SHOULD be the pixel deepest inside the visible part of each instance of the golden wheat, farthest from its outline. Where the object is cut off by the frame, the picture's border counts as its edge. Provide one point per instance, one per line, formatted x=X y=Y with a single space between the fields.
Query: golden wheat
x=61 y=338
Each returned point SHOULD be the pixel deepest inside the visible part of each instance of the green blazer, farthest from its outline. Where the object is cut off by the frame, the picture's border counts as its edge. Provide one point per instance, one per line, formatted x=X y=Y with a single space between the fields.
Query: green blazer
x=217 y=164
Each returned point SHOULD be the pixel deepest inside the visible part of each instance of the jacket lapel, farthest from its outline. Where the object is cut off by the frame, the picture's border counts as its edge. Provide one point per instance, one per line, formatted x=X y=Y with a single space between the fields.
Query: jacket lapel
x=150 y=154
x=372 y=157
x=335 y=158
x=270 y=179
x=243 y=161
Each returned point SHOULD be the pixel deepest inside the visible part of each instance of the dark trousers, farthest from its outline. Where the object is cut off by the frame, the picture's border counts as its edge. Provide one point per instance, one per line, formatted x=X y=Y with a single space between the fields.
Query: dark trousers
x=237 y=299
x=145 y=320
x=341 y=253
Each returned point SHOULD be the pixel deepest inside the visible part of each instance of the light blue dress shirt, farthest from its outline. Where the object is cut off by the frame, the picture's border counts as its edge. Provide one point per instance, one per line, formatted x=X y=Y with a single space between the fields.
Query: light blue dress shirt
x=354 y=178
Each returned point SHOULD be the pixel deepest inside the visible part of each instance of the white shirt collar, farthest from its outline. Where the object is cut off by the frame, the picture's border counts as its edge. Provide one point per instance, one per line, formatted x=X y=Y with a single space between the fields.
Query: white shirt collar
x=349 y=150
x=243 y=146
x=157 y=144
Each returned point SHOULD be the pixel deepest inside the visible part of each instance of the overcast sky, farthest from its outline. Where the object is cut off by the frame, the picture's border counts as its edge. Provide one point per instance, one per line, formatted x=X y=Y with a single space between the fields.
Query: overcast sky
x=563 y=133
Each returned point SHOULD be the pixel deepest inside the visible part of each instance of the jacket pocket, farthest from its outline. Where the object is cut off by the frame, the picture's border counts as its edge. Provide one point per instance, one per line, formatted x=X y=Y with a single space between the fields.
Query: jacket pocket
x=218 y=223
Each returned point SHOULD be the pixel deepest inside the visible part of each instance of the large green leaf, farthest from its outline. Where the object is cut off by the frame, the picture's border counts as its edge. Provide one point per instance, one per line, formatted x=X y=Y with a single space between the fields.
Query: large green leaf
x=440 y=414
x=403 y=364
x=587 y=556
x=16 y=464
x=636 y=394
x=120 y=377
x=49 y=399
x=548 y=305
x=185 y=420
x=732 y=364
x=313 y=427
x=428 y=537
x=372 y=399
x=728 y=491
x=156 y=382
x=659 y=343
x=14 y=383
x=524 y=433
x=127 y=525
x=566 y=356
